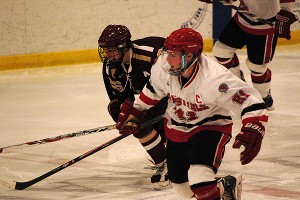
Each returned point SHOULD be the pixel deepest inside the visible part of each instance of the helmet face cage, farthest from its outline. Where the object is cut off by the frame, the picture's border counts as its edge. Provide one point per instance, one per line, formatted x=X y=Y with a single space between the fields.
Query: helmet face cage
x=184 y=40
x=114 y=36
x=102 y=54
x=122 y=49
x=167 y=67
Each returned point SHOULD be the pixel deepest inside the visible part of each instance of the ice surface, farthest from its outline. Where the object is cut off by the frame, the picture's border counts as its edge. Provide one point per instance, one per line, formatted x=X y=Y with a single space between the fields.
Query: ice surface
x=41 y=103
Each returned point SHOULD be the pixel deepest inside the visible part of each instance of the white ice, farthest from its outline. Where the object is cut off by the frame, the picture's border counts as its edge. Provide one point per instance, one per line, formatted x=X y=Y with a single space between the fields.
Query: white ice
x=42 y=103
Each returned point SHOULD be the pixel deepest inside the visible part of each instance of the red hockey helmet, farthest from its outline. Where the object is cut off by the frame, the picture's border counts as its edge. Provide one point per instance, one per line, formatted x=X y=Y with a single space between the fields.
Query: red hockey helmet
x=185 y=40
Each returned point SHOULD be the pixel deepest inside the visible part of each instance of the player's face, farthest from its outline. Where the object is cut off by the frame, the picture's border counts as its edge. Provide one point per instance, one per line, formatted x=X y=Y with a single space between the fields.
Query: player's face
x=112 y=53
x=174 y=60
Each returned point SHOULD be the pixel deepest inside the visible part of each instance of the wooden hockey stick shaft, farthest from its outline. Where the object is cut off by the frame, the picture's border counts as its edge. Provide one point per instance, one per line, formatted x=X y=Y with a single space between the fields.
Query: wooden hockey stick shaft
x=246 y=12
x=23 y=185
x=57 y=138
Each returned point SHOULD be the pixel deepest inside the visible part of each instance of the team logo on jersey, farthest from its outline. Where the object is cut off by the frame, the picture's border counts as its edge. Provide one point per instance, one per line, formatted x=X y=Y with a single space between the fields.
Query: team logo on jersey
x=113 y=72
x=198 y=99
x=117 y=85
x=179 y=102
x=223 y=87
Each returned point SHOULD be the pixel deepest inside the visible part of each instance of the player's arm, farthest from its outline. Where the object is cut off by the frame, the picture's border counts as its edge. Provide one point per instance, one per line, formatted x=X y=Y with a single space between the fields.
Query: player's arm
x=243 y=100
x=113 y=106
x=107 y=85
x=133 y=115
x=254 y=118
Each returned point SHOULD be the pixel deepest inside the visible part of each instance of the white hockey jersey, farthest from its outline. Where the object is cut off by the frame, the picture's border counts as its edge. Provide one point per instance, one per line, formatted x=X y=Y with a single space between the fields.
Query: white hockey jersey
x=266 y=9
x=204 y=102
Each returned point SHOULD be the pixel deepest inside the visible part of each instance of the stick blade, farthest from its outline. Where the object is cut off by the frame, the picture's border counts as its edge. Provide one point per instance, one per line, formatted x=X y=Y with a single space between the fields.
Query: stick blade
x=22 y=185
x=7 y=182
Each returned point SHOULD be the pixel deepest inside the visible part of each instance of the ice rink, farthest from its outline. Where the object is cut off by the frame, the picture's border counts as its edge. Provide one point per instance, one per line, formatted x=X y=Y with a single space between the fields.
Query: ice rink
x=47 y=102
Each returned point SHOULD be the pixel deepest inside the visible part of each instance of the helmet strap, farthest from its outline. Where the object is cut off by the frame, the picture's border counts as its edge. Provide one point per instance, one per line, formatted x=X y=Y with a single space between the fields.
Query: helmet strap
x=184 y=64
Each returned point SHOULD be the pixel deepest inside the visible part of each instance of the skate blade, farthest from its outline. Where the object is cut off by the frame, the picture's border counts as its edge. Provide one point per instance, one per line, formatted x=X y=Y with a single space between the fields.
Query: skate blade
x=271 y=108
x=162 y=185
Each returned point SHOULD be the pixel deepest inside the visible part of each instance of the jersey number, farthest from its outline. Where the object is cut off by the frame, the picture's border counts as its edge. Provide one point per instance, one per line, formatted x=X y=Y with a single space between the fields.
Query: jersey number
x=188 y=116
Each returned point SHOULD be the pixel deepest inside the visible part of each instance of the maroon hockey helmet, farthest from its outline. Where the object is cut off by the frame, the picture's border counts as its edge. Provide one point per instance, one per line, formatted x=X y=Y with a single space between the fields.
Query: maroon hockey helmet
x=185 y=40
x=114 y=36
x=117 y=36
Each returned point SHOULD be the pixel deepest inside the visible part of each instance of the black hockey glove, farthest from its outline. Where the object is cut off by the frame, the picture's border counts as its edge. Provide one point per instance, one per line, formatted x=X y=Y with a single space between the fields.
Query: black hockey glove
x=284 y=19
x=114 y=109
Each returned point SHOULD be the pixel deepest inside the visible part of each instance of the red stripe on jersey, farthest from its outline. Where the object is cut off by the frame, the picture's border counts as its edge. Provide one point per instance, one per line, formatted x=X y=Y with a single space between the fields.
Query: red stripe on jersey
x=194 y=75
x=147 y=100
x=263 y=119
x=181 y=136
x=220 y=150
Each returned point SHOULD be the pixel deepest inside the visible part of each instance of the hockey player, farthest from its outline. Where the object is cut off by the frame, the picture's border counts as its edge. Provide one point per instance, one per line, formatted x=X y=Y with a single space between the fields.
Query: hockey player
x=197 y=123
x=259 y=38
x=126 y=69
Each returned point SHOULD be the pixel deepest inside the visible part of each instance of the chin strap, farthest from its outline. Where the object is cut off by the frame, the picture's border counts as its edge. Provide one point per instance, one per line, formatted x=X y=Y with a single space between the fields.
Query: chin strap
x=184 y=64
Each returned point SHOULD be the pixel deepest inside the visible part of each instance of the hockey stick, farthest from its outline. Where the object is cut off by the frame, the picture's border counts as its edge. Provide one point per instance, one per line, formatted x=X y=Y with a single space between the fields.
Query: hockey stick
x=57 y=138
x=246 y=12
x=23 y=185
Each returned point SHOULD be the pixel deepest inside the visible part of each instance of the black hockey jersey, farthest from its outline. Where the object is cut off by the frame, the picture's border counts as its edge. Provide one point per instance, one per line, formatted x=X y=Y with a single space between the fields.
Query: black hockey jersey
x=125 y=81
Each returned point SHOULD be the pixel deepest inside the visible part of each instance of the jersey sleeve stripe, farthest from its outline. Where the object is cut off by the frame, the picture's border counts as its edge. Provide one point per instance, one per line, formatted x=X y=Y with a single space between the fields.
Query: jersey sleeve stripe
x=263 y=119
x=253 y=107
x=147 y=100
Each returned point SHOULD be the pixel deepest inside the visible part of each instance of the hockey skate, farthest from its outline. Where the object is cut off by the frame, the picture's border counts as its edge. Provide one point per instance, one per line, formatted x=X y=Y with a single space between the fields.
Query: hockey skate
x=160 y=178
x=232 y=187
x=269 y=101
